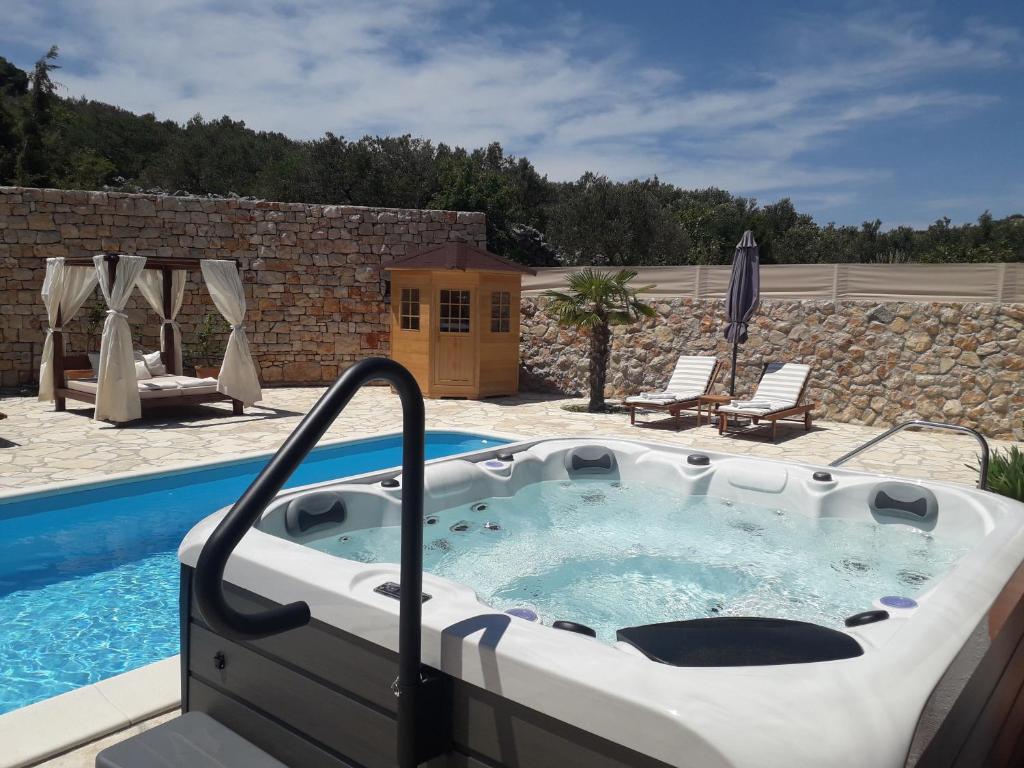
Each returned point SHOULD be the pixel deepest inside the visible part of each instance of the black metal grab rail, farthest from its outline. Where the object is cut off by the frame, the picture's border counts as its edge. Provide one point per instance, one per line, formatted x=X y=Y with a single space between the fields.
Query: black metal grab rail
x=920 y=423
x=209 y=573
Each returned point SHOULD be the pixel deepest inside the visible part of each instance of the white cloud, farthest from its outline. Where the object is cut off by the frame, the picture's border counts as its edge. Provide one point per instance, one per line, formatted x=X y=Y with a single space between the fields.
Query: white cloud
x=571 y=95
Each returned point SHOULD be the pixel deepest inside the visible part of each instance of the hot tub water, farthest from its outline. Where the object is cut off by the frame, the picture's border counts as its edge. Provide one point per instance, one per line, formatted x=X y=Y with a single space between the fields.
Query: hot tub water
x=612 y=555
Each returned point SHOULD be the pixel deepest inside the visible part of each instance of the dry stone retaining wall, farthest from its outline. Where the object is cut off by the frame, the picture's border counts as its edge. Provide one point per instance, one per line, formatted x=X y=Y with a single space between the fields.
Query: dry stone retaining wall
x=873 y=363
x=317 y=303
x=312 y=273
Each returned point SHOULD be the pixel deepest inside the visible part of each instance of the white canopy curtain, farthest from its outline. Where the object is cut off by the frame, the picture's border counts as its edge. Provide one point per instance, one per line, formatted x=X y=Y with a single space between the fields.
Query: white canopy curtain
x=117 y=390
x=65 y=288
x=151 y=284
x=238 y=377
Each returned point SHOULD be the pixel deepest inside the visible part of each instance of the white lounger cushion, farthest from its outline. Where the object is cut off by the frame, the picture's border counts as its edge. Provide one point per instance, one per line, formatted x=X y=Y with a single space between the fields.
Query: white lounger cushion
x=758 y=409
x=663 y=398
x=779 y=389
x=690 y=379
x=158 y=386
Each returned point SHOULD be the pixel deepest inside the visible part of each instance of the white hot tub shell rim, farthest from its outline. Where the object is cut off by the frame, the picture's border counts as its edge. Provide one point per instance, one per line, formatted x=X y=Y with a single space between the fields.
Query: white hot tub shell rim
x=847 y=712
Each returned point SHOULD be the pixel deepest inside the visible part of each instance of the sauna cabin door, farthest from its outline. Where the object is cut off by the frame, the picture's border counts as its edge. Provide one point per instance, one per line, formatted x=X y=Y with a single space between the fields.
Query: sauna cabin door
x=455 y=347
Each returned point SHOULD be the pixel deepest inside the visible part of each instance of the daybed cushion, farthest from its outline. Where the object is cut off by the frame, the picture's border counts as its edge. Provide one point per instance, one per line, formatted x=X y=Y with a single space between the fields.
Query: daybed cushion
x=155 y=363
x=191 y=381
x=158 y=386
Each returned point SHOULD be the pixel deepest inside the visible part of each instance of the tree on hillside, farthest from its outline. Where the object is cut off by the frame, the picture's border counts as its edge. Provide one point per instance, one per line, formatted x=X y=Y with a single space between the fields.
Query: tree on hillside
x=529 y=246
x=770 y=225
x=800 y=244
x=598 y=221
x=99 y=141
x=32 y=168
x=397 y=172
x=714 y=221
x=217 y=157
x=13 y=87
x=507 y=189
x=13 y=80
x=595 y=301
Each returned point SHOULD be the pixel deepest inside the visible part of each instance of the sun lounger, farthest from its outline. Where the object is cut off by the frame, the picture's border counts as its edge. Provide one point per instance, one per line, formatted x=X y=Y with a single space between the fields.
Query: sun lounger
x=779 y=397
x=692 y=377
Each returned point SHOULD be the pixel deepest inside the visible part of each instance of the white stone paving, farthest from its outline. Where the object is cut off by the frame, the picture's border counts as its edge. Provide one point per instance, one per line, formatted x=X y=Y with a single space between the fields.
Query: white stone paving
x=39 y=447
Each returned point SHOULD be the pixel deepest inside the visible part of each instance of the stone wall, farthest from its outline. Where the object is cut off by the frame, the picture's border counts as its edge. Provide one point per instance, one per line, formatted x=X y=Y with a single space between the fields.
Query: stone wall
x=873 y=363
x=312 y=273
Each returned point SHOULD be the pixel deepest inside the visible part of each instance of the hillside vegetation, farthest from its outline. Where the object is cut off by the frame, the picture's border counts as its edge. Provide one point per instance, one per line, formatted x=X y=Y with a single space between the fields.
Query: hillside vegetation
x=50 y=141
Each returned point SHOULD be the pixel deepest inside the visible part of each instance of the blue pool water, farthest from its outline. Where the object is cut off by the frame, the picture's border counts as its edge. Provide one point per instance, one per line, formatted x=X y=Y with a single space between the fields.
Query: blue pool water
x=89 y=578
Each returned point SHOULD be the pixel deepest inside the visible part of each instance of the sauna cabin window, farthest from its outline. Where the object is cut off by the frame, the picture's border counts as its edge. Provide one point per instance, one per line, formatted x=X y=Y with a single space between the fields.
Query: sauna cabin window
x=410 y=309
x=454 y=311
x=501 y=312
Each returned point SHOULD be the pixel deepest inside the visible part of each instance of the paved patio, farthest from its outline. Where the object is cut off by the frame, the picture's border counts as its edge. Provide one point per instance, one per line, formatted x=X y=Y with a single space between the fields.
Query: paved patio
x=39 y=447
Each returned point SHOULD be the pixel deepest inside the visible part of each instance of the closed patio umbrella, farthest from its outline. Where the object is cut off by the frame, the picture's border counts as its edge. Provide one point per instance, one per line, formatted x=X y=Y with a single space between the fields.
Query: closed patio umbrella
x=743 y=296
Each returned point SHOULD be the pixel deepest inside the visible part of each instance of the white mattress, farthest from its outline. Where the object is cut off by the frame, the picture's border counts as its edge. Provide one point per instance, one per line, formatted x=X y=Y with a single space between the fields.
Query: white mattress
x=158 y=386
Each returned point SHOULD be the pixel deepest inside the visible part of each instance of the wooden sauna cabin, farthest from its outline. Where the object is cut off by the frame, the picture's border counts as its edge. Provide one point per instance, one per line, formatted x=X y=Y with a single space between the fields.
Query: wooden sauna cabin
x=455 y=320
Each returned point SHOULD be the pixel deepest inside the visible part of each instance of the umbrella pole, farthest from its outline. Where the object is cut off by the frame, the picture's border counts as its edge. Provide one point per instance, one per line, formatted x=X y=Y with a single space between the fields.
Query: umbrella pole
x=732 y=371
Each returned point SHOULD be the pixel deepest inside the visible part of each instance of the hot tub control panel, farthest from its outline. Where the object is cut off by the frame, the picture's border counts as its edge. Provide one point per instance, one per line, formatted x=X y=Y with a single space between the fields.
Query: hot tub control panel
x=393 y=590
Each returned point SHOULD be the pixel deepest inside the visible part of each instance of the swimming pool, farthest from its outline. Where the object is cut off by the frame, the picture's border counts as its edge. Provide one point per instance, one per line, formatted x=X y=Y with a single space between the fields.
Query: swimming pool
x=89 y=574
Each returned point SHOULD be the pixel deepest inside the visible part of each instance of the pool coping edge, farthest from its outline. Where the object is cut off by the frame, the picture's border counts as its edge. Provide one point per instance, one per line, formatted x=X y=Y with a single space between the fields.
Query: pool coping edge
x=89 y=481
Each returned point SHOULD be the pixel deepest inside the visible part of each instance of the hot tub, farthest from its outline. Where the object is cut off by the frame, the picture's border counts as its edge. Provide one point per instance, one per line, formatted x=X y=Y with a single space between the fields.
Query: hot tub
x=606 y=602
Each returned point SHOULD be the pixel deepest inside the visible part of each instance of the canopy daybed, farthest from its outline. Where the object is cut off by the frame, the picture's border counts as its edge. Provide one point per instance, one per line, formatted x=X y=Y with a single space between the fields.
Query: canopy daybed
x=116 y=390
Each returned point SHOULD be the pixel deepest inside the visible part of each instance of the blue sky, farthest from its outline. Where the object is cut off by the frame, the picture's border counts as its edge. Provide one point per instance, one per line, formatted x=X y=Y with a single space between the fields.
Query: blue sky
x=905 y=111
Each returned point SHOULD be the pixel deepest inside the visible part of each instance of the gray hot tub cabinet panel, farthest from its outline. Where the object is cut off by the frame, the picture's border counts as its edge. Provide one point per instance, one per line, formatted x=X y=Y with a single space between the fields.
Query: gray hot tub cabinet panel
x=326 y=714
x=362 y=669
x=318 y=696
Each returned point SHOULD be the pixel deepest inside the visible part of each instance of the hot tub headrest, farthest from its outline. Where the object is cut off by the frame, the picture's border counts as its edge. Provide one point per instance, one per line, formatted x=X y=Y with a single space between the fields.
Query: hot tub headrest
x=896 y=502
x=739 y=642
x=589 y=460
x=311 y=510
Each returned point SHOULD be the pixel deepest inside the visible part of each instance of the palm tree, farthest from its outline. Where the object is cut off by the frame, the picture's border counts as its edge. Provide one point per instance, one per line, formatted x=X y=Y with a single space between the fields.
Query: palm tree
x=597 y=300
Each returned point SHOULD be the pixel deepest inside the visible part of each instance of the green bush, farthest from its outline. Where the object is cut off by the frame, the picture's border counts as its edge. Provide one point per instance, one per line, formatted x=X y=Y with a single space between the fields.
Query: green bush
x=209 y=340
x=1006 y=473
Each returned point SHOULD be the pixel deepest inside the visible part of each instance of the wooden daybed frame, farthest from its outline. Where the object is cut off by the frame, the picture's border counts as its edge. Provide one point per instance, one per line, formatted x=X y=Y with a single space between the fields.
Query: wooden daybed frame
x=168 y=354
x=797 y=413
x=675 y=408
